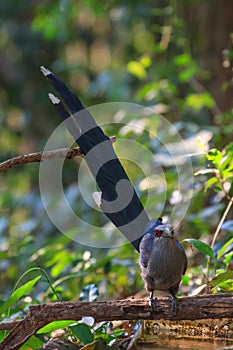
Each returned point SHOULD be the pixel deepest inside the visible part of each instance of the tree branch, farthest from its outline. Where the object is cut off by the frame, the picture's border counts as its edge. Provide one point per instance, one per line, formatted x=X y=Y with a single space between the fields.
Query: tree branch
x=8 y=325
x=68 y=153
x=216 y=306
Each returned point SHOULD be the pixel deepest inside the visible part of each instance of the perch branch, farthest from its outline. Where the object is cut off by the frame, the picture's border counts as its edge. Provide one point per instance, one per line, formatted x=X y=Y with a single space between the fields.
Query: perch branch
x=216 y=306
x=68 y=153
x=8 y=325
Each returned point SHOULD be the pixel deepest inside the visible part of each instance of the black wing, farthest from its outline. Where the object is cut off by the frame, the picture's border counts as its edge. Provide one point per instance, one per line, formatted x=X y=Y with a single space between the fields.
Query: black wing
x=119 y=200
x=147 y=241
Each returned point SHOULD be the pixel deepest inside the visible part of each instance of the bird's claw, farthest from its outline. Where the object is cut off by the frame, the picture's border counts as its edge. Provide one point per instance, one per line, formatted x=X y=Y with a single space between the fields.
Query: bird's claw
x=174 y=305
x=152 y=304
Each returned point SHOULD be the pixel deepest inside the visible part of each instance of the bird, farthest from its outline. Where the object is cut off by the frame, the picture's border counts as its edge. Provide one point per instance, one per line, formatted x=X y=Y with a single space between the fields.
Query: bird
x=162 y=260
x=162 y=257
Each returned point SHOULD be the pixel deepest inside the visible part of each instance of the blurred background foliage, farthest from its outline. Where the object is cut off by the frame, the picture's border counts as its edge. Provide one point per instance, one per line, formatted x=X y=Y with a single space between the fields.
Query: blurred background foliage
x=174 y=56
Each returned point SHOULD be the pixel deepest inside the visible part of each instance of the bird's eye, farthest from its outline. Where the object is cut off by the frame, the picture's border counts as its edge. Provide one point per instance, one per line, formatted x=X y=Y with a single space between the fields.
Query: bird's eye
x=158 y=233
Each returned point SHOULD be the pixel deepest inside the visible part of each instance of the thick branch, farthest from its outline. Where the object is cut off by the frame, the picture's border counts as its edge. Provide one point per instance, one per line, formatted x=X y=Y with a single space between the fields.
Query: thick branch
x=216 y=306
x=68 y=153
x=8 y=325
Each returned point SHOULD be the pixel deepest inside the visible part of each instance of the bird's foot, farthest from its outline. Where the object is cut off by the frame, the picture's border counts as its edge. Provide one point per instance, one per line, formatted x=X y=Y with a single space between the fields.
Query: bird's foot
x=152 y=302
x=174 y=305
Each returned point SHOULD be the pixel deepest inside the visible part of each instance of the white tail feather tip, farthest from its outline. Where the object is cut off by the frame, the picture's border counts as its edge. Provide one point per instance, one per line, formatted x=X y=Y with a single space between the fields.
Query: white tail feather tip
x=54 y=99
x=45 y=71
x=97 y=197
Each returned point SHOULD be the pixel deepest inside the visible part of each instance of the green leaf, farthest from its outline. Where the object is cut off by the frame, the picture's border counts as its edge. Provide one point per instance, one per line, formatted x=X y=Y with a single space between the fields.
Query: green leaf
x=188 y=73
x=63 y=259
x=145 y=89
x=83 y=332
x=225 y=161
x=201 y=246
x=137 y=69
x=224 y=248
x=228 y=173
x=215 y=156
x=199 y=101
x=228 y=257
x=226 y=286
x=146 y=61
x=32 y=343
x=182 y=60
x=55 y=325
x=222 y=277
x=118 y=331
x=185 y=280
x=18 y=293
x=210 y=182
x=229 y=147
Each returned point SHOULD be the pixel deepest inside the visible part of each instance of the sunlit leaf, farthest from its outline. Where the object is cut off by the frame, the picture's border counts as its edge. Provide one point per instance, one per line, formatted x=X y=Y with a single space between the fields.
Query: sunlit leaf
x=146 y=61
x=211 y=182
x=188 y=73
x=18 y=293
x=228 y=257
x=226 y=286
x=225 y=161
x=215 y=156
x=224 y=248
x=229 y=147
x=222 y=277
x=149 y=89
x=55 y=325
x=185 y=280
x=136 y=69
x=199 y=101
x=227 y=174
x=63 y=260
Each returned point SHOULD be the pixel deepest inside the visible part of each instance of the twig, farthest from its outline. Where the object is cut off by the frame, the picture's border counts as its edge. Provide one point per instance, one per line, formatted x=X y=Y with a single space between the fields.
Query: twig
x=216 y=306
x=68 y=153
x=221 y=221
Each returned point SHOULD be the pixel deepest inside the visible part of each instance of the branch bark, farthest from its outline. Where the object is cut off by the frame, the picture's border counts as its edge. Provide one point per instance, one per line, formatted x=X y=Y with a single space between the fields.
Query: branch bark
x=68 y=153
x=217 y=306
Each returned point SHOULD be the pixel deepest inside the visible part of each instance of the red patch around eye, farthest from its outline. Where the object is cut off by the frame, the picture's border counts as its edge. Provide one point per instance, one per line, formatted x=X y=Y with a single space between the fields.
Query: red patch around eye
x=158 y=233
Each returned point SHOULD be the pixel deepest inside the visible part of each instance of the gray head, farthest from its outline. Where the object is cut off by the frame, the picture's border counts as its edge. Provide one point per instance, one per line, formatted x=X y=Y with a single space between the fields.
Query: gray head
x=164 y=230
x=152 y=224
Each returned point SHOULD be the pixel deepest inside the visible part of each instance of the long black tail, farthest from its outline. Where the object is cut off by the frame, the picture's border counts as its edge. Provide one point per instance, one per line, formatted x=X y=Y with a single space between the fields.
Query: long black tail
x=119 y=200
